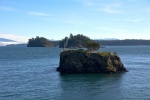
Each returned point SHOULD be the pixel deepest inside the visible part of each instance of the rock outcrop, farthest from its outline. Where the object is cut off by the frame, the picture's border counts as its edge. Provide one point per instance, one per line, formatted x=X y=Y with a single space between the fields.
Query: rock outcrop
x=80 y=61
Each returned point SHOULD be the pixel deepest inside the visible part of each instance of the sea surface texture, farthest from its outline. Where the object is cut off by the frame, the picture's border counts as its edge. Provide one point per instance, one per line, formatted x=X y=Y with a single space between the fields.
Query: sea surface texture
x=30 y=74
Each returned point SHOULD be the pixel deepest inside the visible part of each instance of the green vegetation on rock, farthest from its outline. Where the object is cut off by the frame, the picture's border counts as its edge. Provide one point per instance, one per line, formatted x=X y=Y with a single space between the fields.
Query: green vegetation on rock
x=39 y=42
x=91 y=45
x=79 y=41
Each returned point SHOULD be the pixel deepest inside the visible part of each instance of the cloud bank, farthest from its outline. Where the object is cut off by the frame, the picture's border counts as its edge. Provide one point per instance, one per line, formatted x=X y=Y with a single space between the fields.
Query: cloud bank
x=20 y=39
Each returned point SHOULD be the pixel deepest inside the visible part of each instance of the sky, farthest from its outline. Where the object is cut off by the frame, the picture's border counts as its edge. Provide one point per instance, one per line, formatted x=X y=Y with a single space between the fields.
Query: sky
x=55 y=19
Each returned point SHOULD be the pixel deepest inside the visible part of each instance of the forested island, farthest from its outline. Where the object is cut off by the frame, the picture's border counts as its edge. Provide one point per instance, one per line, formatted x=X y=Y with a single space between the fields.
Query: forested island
x=81 y=55
x=81 y=41
x=40 y=42
x=87 y=60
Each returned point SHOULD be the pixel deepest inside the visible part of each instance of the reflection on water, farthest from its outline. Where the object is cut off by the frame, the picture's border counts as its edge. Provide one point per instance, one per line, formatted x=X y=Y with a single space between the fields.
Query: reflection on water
x=91 y=86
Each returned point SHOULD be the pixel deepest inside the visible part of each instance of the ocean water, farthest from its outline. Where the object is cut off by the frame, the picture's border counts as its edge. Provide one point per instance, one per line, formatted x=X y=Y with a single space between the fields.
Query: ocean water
x=30 y=74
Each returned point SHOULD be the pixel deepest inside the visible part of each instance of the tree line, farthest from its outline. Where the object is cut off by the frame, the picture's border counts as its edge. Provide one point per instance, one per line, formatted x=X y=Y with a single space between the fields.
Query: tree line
x=126 y=42
x=39 y=42
x=79 y=41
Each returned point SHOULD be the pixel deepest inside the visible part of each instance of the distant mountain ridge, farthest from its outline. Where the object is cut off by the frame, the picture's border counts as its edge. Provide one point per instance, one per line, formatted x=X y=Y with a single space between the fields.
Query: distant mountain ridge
x=17 y=45
x=108 y=39
x=126 y=42
x=6 y=40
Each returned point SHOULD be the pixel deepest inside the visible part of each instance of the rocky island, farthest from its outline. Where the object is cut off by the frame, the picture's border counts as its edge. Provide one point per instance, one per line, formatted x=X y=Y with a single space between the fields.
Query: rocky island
x=40 y=42
x=87 y=60
x=81 y=61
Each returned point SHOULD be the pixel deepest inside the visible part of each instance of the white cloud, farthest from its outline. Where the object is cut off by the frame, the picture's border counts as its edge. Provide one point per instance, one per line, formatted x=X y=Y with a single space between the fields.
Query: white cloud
x=4 y=8
x=7 y=43
x=89 y=3
x=38 y=14
x=112 y=8
x=134 y=20
x=14 y=37
x=130 y=20
x=32 y=13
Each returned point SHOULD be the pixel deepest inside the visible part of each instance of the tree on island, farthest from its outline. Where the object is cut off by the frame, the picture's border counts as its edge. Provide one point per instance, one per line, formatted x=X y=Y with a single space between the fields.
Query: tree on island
x=65 y=42
x=79 y=41
x=92 y=45
x=39 y=42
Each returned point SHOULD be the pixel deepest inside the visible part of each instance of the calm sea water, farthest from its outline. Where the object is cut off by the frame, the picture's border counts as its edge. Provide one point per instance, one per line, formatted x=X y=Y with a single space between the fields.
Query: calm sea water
x=30 y=74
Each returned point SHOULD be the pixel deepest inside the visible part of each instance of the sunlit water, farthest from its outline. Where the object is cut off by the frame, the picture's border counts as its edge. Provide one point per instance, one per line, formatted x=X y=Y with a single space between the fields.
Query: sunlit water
x=30 y=74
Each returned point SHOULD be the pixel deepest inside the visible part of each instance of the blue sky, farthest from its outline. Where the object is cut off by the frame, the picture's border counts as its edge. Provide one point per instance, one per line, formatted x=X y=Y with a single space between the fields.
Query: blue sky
x=55 y=19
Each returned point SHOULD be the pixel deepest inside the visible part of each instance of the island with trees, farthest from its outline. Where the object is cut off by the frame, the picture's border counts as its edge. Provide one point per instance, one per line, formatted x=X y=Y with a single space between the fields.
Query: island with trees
x=40 y=42
x=87 y=60
x=79 y=41
x=81 y=55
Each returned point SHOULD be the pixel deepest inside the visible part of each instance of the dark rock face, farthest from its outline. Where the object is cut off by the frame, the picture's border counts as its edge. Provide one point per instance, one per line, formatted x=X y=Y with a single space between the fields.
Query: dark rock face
x=76 y=61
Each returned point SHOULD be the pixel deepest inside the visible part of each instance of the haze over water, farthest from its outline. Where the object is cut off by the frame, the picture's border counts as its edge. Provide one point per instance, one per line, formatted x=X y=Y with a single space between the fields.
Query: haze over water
x=30 y=74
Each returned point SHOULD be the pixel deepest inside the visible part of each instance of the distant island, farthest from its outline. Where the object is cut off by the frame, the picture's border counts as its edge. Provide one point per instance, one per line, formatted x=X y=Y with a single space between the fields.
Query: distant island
x=126 y=42
x=40 y=42
x=78 y=41
x=17 y=45
x=6 y=40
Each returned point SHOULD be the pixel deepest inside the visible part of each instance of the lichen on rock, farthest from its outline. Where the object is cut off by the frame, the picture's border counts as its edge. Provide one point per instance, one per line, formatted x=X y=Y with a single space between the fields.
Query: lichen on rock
x=80 y=61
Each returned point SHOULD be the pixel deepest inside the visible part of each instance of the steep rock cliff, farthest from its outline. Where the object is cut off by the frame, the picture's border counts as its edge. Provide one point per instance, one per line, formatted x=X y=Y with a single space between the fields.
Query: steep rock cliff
x=80 y=61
